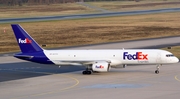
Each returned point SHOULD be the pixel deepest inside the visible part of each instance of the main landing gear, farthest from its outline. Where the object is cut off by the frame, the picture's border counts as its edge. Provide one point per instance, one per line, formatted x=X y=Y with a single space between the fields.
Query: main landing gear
x=157 y=67
x=88 y=71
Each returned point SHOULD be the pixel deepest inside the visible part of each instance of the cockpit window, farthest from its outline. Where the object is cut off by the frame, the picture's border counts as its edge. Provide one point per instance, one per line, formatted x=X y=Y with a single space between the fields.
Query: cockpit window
x=169 y=55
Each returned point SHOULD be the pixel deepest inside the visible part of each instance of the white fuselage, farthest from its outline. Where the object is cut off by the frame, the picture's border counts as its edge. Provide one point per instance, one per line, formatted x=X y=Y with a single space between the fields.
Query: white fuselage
x=114 y=57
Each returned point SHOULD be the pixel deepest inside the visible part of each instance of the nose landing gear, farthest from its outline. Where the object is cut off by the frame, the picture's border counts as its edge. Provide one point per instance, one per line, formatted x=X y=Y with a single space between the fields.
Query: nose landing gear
x=158 y=68
x=157 y=71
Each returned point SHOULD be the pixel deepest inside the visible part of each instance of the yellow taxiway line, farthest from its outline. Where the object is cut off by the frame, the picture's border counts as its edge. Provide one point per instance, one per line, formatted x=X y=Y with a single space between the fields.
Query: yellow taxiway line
x=176 y=77
x=50 y=92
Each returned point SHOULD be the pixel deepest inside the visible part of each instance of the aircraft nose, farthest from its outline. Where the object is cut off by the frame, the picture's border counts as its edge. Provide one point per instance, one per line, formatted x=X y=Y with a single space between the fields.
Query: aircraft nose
x=176 y=60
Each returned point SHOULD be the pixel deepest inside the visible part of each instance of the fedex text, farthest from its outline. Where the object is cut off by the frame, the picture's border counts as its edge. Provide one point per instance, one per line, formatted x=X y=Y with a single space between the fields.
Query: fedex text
x=135 y=56
x=25 y=41
x=99 y=66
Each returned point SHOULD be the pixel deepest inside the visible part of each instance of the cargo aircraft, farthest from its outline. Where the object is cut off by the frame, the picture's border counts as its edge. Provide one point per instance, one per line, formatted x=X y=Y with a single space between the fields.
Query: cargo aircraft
x=95 y=60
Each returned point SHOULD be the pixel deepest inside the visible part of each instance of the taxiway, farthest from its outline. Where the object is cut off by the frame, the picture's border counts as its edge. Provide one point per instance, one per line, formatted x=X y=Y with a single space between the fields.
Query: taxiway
x=79 y=16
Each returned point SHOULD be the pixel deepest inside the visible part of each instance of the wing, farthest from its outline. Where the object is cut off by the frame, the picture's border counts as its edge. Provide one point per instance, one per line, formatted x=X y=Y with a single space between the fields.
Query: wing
x=78 y=62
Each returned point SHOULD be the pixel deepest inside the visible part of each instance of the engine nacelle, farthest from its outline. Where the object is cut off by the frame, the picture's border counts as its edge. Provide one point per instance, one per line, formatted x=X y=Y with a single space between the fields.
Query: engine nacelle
x=101 y=67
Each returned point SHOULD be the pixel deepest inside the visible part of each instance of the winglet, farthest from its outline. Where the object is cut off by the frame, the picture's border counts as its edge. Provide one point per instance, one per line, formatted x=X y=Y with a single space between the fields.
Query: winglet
x=26 y=43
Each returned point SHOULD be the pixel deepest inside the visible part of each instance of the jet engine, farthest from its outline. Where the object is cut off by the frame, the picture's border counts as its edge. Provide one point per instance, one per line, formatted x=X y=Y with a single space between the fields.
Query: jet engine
x=101 y=67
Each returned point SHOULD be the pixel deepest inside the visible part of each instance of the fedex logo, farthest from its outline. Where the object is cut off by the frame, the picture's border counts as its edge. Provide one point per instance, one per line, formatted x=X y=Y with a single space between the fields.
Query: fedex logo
x=99 y=66
x=26 y=41
x=136 y=56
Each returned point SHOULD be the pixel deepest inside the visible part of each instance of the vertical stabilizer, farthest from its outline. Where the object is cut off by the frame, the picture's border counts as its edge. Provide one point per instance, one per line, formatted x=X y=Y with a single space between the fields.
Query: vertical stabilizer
x=26 y=43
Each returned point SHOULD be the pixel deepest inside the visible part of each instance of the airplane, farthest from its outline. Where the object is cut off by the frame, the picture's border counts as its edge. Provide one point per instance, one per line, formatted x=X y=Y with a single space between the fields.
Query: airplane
x=100 y=60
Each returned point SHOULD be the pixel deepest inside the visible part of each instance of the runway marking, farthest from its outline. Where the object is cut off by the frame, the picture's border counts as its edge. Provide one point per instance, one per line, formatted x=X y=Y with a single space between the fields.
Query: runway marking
x=117 y=86
x=176 y=78
x=54 y=91
x=63 y=89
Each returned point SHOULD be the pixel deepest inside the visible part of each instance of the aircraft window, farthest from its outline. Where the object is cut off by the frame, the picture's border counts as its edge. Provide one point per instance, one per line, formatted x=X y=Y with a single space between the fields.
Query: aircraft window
x=169 y=55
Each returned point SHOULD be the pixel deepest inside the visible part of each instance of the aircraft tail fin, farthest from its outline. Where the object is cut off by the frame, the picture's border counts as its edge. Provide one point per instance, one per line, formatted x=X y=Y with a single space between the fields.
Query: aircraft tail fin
x=26 y=43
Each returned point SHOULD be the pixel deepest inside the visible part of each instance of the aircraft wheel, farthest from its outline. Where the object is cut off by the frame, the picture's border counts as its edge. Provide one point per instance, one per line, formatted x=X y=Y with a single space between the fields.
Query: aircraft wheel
x=86 y=72
x=157 y=71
